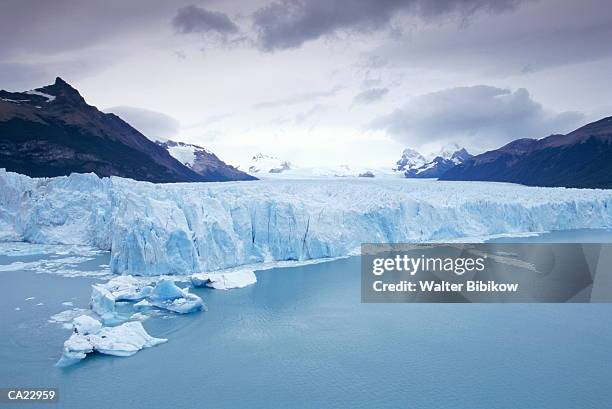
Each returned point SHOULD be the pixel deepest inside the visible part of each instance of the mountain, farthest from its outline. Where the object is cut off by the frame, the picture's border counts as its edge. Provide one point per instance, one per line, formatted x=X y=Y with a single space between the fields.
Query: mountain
x=262 y=163
x=203 y=162
x=52 y=131
x=410 y=159
x=582 y=158
x=447 y=158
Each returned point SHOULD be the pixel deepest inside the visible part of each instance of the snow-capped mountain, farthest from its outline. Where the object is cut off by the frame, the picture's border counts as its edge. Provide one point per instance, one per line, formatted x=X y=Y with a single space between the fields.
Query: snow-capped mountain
x=52 y=131
x=449 y=157
x=410 y=159
x=203 y=161
x=582 y=158
x=262 y=163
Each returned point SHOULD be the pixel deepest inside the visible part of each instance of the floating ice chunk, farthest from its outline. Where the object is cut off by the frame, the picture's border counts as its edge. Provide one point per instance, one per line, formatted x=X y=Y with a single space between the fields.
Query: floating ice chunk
x=125 y=339
x=127 y=288
x=86 y=325
x=168 y=296
x=68 y=303
x=30 y=298
x=89 y=335
x=102 y=302
x=166 y=290
x=224 y=281
x=65 y=318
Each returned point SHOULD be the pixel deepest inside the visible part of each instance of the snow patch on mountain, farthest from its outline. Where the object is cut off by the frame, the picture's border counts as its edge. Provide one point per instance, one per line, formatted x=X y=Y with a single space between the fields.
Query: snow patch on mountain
x=184 y=154
x=50 y=98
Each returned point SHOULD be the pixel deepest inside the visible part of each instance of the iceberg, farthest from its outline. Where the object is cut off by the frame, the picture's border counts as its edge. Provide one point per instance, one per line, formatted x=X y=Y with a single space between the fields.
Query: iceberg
x=102 y=302
x=189 y=228
x=88 y=335
x=168 y=296
x=224 y=281
x=164 y=295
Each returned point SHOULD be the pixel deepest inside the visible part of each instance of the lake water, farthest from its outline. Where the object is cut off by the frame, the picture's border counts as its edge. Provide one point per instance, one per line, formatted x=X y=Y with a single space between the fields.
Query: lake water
x=300 y=338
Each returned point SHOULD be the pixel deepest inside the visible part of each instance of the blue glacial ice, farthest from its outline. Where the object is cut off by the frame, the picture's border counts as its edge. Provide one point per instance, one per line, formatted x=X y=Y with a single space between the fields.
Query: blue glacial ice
x=153 y=229
x=166 y=295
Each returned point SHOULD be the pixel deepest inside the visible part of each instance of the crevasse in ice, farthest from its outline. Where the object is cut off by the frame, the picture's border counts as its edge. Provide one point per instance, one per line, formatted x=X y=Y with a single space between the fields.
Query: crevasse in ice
x=191 y=228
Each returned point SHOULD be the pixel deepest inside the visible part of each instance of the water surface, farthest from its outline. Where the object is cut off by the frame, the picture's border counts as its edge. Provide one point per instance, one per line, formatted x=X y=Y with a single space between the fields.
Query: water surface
x=301 y=338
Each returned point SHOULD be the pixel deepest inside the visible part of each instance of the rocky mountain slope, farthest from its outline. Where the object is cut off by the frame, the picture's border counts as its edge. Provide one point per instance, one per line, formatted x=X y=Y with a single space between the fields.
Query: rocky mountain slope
x=52 y=131
x=203 y=162
x=582 y=158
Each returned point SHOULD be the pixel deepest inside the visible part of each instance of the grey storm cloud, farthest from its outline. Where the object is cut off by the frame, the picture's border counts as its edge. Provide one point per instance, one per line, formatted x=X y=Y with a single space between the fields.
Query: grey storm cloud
x=480 y=115
x=537 y=36
x=65 y=28
x=193 y=19
x=290 y=23
x=152 y=124
x=370 y=95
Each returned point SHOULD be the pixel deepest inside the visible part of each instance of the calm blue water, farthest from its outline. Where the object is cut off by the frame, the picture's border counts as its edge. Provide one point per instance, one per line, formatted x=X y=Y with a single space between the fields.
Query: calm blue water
x=301 y=338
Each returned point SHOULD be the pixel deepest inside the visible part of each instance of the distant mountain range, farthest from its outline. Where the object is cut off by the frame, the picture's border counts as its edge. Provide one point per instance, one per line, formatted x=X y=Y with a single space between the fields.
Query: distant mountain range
x=262 y=163
x=52 y=131
x=414 y=165
x=582 y=158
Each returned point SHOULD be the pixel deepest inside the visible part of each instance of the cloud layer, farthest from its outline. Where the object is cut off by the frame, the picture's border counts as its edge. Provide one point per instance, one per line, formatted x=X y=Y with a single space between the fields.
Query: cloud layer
x=477 y=116
x=193 y=19
x=370 y=95
x=154 y=125
x=291 y=23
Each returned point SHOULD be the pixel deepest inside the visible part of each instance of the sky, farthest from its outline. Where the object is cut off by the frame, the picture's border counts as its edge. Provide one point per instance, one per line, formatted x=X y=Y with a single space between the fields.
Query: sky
x=322 y=82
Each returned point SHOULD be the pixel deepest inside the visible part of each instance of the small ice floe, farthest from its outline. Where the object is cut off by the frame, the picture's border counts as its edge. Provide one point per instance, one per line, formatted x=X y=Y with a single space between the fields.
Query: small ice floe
x=17 y=309
x=65 y=318
x=30 y=298
x=168 y=296
x=224 y=281
x=88 y=335
x=40 y=304
x=68 y=303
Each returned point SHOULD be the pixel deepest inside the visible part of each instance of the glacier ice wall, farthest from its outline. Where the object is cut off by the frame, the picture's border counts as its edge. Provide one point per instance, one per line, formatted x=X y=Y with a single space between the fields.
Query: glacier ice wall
x=190 y=228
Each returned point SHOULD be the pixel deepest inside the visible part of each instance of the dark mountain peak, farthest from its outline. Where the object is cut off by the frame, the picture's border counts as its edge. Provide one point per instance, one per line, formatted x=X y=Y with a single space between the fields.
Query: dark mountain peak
x=63 y=91
x=61 y=83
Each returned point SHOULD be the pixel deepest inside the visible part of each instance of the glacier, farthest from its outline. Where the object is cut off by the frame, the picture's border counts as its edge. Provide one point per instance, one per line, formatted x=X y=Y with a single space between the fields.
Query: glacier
x=188 y=228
